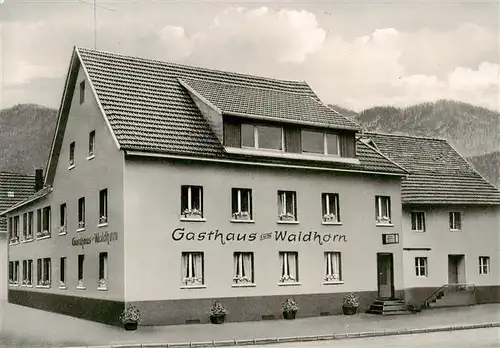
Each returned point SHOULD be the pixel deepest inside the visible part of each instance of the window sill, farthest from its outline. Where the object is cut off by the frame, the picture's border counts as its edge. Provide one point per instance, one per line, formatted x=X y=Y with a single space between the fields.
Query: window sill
x=14 y=285
x=71 y=166
x=421 y=276
x=287 y=222
x=27 y=285
x=102 y=289
x=331 y=223
x=90 y=157
x=63 y=287
x=243 y=221
x=384 y=225
x=290 y=284
x=15 y=243
x=27 y=240
x=44 y=237
x=81 y=288
x=62 y=233
x=193 y=219
x=43 y=286
x=193 y=286
x=248 y=285
x=418 y=231
x=333 y=282
x=80 y=229
x=102 y=225
x=453 y=230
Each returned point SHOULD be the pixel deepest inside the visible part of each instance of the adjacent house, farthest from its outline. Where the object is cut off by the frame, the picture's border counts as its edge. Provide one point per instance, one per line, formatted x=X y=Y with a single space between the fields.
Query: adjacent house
x=451 y=223
x=14 y=187
x=171 y=186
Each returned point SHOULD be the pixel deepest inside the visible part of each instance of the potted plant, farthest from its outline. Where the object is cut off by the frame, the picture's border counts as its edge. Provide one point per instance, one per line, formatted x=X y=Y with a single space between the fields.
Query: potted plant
x=290 y=309
x=350 y=304
x=218 y=313
x=130 y=317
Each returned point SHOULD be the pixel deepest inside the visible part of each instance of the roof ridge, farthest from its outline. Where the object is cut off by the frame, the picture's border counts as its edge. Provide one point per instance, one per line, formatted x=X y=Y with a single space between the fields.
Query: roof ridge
x=406 y=136
x=83 y=49
x=187 y=79
x=385 y=156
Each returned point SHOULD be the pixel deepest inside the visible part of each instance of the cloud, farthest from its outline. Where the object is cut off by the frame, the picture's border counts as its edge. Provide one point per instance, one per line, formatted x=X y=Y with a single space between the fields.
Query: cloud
x=484 y=77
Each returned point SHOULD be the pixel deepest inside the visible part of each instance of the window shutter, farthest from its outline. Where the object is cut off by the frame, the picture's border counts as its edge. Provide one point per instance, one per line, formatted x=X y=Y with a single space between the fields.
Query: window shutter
x=347 y=145
x=232 y=134
x=292 y=139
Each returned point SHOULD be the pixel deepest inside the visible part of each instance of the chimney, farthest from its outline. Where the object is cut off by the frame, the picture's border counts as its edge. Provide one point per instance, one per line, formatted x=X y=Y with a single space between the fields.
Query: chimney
x=38 y=179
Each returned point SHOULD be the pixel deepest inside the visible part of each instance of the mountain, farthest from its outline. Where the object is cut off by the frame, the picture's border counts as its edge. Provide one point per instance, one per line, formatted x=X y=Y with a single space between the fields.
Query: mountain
x=488 y=165
x=26 y=132
x=472 y=130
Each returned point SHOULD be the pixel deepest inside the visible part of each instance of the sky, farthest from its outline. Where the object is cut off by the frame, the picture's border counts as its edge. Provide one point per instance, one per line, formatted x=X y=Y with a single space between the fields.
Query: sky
x=356 y=54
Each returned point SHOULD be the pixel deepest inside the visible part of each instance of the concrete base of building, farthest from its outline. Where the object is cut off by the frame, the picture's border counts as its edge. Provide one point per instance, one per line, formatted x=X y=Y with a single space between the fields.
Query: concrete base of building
x=102 y=311
x=480 y=295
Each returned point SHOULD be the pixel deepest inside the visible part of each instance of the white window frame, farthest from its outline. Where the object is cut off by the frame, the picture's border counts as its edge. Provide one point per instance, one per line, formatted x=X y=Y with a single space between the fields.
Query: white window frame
x=103 y=215
x=30 y=226
x=330 y=217
x=103 y=279
x=256 y=137
x=81 y=210
x=243 y=268
x=383 y=202
x=325 y=143
x=63 y=269
x=289 y=267
x=333 y=267
x=484 y=265
x=284 y=215
x=190 y=213
x=453 y=223
x=27 y=273
x=192 y=275
x=72 y=151
x=91 y=149
x=419 y=217
x=239 y=215
x=44 y=279
x=80 y=280
x=421 y=263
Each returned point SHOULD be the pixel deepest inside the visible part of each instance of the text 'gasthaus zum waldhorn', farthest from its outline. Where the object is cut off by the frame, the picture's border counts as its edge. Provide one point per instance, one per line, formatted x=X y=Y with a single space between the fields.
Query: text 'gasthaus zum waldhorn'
x=180 y=234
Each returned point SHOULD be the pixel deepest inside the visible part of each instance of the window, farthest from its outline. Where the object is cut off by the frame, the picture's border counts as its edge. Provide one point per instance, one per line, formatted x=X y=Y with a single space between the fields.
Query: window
x=262 y=136
x=29 y=234
x=192 y=202
x=484 y=264
x=46 y=221
x=248 y=135
x=421 y=266
x=25 y=226
x=28 y=272
x=455 y=221
x=418 y=221
x=81 y=259
x=38 y=222
x=91 y=143
x=289 y=267
x=330 y=207
x=287 y=206
x=103 y=207
x=317 y=142
x=241 y=204
x=192 y=269
x=43 y=270
x=72 y=154
x=81 y=213
x=14 y=272
x=333 y=267
x=243 y=268
x=14 y=229
x=383 y=209
x=11 y=272
x=103 y=271
x=82 y=92
x=63 y=218
x=62 y=272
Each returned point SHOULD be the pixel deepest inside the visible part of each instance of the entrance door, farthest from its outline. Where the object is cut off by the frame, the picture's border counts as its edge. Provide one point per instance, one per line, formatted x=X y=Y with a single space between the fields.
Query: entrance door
x=385 y=271
x=456 y=269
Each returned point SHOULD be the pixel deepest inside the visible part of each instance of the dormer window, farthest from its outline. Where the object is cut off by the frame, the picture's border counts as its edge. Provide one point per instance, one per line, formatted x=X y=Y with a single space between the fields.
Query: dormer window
x=262 y=137
x=315 y=142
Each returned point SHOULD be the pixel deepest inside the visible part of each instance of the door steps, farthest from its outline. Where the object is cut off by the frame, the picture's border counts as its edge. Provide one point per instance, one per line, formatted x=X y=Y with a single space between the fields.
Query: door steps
x=390 y=307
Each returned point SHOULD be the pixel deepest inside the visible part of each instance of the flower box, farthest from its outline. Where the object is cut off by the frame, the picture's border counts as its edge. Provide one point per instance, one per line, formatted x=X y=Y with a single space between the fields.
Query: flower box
x=62 y=229
x=102 y=284
x=80 y=284
x=192 y=214
x=14 y=239
x=330 y=218
x=81 y=224
x=332 y=278
x=241 y=215
x=383 y=220
x=191 y=281
x=287 y=279
x=287 y=217
x=103 y=220
x=242 y=280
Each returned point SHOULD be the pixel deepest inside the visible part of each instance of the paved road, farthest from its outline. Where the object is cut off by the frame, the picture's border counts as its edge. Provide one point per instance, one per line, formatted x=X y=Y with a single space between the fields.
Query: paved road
x=479 y=338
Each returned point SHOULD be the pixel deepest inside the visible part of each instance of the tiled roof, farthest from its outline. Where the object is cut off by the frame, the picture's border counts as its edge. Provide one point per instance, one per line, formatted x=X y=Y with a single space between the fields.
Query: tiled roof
x=280 y=105
x=438 y=174
x=14 y=188
x=149 y=110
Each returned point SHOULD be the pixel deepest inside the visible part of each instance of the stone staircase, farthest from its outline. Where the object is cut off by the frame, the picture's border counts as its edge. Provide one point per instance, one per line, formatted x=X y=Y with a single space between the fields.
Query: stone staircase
x=390 y=307
x=450 y=295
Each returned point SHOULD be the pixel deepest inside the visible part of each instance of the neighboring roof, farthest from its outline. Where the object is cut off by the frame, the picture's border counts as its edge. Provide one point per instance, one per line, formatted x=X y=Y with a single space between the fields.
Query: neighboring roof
x=148 y=110
x=438 y=174
x=31 y=198
x=271 y=103
x=14 y=188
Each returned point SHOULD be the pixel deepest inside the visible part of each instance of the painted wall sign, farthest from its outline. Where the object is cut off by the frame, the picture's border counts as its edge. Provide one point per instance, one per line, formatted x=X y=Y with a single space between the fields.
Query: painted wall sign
x=180 y=234
x=98 y=237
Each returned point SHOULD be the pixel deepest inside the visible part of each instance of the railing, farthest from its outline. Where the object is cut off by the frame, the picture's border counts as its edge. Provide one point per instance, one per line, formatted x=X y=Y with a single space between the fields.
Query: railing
x=448 y=288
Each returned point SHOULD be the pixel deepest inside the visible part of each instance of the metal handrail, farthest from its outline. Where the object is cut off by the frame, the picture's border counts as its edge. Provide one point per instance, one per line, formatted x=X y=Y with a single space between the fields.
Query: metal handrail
x=445 y=286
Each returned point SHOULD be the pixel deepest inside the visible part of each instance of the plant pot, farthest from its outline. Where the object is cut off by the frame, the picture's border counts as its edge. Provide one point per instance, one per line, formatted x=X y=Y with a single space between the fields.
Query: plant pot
x=217 y=319
x=349 y=310
x=289 y=315
x=130 y=326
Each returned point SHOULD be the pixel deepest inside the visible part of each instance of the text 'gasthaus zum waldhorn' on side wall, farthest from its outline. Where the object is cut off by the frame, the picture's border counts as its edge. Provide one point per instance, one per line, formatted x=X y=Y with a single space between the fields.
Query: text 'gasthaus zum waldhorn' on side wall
x=180 y=234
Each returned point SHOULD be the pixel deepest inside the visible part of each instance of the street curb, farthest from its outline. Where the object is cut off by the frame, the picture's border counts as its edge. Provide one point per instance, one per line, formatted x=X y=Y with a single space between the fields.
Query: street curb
x=275 y=340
